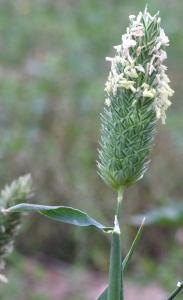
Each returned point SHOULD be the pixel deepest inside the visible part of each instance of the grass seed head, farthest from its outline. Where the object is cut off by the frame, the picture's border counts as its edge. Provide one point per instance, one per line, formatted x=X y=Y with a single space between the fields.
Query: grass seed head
x=137 y=95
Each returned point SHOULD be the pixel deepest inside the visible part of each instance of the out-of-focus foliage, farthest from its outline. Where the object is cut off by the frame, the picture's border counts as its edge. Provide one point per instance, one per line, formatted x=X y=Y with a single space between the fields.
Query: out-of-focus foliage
x=168 y=215
x=18 y=191
x=52 y=76
x=31 y=280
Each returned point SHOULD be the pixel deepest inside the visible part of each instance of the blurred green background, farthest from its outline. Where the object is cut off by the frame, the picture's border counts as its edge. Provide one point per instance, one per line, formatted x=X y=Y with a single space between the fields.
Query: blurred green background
x=52 y=77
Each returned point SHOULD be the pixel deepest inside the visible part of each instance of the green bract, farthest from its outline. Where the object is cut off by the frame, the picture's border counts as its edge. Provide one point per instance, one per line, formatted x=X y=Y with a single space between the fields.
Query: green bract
x=137 y=95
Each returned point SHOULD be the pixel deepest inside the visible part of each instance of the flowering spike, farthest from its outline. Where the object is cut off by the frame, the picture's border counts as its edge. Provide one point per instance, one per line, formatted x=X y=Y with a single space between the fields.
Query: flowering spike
x=137 y=95
x=18 y=191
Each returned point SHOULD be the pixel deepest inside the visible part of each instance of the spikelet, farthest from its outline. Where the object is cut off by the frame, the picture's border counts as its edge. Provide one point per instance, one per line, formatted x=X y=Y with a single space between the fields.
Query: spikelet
x=18 y=191
x=137 y=95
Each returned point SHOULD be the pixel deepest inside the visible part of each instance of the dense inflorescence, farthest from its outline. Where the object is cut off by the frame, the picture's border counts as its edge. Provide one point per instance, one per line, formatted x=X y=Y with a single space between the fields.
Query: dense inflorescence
x=18 y=191
x=137 y=95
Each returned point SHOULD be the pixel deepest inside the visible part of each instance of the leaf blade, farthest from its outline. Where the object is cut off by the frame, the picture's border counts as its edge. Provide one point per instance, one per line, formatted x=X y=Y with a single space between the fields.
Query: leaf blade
x=115 y=273
x=133 y=246
x=64 y=214
x=126 y=260
x=103 y=296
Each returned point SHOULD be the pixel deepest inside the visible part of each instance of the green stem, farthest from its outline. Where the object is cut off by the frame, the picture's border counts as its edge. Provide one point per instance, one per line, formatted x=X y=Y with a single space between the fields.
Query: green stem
x=103 y=295
x=115 y=290
x=119 y=202
x=176 y=291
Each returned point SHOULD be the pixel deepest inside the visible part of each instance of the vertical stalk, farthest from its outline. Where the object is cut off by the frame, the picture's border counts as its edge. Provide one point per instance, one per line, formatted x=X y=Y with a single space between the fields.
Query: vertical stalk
x=176 y=291
x=119 y=202
x=115 y=290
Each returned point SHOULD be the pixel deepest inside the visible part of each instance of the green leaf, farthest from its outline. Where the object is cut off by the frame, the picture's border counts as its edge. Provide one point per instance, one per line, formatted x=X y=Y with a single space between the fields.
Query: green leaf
x=176 y=291
x=128 y=257
x=133 y=246
x=115 y=270
x=103 y=296
x=168 y=215
x=62 y=214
